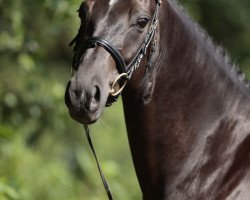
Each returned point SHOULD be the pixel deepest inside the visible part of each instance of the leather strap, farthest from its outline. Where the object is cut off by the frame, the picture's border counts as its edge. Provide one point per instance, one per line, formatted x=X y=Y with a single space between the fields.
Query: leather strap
x=92 y=42
x=104 y=181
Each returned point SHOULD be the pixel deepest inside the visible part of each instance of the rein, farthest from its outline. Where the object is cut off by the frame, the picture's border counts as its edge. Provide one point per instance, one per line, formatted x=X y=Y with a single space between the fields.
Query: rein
x=125 y=72
x=104 y=181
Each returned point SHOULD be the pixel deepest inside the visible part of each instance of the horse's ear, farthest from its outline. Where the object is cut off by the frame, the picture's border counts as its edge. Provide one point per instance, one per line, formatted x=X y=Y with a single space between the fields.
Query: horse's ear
x=81 y=35
x=83 y=14
x=83 y=11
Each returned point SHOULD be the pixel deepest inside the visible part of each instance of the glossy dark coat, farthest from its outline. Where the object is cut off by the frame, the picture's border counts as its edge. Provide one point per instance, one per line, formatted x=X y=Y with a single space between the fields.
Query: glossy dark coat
x=187 y=118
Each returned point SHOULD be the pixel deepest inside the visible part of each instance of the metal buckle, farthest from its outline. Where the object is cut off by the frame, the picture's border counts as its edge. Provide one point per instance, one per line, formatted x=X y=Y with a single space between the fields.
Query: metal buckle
x=113 y=91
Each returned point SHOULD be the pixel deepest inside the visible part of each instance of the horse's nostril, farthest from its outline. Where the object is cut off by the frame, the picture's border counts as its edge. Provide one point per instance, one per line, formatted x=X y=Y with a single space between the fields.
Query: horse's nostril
x=67 y=98
x=94 y=102
x=77 y=93
x=78 y=99
x=97 y=94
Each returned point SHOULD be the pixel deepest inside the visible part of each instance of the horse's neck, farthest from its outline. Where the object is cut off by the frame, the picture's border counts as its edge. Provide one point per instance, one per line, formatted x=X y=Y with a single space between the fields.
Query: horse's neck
x=192 y=84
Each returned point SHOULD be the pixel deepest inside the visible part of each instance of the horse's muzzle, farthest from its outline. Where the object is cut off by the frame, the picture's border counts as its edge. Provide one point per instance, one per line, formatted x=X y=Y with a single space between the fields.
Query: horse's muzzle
x=83 y=104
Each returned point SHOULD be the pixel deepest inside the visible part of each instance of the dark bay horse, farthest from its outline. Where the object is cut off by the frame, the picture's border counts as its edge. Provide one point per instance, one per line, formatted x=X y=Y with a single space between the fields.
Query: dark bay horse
x=186 y=107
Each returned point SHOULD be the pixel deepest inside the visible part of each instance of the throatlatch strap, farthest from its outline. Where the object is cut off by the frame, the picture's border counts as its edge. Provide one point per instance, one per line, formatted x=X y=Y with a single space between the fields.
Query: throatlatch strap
x=104 y=181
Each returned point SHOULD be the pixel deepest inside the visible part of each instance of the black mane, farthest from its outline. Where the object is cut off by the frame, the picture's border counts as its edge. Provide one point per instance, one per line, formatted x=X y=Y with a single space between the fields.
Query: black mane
x=231 y=67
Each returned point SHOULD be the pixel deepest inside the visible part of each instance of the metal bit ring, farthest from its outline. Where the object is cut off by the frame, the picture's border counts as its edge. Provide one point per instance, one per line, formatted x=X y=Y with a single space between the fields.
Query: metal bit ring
x=112 y=88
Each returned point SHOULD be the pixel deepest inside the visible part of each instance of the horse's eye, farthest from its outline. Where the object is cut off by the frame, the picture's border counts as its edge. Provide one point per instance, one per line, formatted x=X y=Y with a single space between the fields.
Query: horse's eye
x=142 y=22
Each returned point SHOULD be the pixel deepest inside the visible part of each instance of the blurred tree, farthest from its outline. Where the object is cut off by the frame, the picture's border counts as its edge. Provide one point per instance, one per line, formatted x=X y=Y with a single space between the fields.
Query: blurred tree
x=42 y=151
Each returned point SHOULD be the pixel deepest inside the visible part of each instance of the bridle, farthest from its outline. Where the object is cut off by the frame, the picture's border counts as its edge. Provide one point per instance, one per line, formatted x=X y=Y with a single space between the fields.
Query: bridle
x=125 y=72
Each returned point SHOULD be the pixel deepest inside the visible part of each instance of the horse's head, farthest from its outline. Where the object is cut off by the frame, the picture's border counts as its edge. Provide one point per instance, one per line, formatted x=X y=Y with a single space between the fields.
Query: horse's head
x=117 y=30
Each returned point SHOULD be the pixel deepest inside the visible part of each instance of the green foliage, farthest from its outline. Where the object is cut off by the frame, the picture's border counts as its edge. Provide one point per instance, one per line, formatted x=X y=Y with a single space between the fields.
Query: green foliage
x=43 y=153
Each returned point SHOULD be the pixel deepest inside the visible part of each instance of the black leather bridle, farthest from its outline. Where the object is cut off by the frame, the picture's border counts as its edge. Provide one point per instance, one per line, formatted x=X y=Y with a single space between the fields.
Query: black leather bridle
x=125 y=71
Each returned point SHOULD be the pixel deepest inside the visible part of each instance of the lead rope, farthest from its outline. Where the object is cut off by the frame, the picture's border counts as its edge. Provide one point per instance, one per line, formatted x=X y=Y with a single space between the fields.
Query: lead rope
x=104 y=181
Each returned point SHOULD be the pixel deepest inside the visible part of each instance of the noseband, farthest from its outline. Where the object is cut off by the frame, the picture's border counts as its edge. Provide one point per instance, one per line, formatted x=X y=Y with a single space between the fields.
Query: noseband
x=125 y=72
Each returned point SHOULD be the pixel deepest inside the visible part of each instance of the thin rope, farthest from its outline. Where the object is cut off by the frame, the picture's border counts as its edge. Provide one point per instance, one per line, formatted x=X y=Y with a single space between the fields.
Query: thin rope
x=104 y=181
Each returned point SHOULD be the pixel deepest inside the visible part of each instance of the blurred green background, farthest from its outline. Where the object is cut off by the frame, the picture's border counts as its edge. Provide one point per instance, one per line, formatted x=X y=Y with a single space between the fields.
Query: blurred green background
x=43 y=153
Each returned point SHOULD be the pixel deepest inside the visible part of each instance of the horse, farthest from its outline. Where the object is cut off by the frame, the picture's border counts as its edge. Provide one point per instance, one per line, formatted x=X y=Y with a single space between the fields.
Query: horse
x=186 y=105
